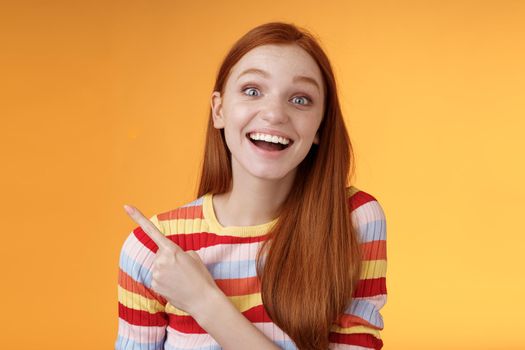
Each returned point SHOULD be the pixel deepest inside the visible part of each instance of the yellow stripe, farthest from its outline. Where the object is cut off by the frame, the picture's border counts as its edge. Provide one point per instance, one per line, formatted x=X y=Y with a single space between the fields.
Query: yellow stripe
x=242 y=303
x=138 y=302
x=181 y=226
x=246 y=302
x=356 y=329
x=173 y=310
x=237 y=231
x=351 y=190
x=373 y=269
x=155 y=220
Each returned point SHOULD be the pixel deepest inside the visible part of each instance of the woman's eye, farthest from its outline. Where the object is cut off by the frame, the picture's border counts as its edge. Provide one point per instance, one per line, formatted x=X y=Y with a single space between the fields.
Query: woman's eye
x=248 y=89
x=252 y=91
x=305 y=99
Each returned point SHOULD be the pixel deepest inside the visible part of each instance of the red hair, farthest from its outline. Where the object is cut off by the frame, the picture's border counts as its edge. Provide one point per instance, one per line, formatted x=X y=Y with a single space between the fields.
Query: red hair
x=312 y=260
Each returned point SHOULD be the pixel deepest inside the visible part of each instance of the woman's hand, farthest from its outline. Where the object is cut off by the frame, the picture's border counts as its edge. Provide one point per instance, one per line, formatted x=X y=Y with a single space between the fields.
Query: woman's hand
x=180 y=277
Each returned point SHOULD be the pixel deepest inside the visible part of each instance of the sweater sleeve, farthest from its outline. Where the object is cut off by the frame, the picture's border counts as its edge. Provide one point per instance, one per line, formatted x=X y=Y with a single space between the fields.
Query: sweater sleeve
x=142 y=319
x=360 y=325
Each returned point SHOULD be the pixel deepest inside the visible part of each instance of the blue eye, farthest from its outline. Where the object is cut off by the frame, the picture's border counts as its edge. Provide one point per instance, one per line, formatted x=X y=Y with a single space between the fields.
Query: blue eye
x=249 y=88
x=305 y=98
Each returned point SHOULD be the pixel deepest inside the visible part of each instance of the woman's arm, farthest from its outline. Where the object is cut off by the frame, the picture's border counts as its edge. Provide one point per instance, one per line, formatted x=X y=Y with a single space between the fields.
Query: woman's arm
x=361 y=324
x=228 y=326
x=185 y=281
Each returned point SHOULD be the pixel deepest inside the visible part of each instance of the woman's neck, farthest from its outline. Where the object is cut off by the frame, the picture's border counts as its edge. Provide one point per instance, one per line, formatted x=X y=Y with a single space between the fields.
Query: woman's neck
x=251 y=201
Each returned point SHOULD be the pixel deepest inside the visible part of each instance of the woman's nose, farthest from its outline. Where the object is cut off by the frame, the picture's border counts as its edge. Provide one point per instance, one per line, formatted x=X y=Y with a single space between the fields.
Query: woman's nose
x=274 y=111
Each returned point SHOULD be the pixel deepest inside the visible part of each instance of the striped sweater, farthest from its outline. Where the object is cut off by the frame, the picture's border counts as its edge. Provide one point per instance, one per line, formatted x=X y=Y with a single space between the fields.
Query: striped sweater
x=147 y=321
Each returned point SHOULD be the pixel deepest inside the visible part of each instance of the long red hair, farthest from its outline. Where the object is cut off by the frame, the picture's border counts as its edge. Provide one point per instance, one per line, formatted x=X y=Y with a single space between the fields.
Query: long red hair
x=311 y=264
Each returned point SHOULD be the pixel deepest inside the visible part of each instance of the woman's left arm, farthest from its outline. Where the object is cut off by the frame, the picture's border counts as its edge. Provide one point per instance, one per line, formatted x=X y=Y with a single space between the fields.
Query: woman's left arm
x=361 y=324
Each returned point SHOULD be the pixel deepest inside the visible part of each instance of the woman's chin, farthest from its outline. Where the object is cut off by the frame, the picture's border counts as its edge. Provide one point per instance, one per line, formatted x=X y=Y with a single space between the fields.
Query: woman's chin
x=271 y=175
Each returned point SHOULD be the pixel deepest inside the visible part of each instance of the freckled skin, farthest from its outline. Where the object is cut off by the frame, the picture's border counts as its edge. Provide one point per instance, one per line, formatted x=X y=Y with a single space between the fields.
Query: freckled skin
x=276 y=102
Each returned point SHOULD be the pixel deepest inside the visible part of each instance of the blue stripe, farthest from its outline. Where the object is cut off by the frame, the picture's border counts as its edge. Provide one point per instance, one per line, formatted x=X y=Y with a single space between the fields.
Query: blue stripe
x=367 y=311
x=196 y=202
x=127 y=344
x=286 y=344
x=233 y=269
x=371 y=222
x=372 y=230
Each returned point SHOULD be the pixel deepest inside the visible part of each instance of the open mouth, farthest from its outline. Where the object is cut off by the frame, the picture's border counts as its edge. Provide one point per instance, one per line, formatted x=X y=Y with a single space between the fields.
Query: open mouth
x=268 y=146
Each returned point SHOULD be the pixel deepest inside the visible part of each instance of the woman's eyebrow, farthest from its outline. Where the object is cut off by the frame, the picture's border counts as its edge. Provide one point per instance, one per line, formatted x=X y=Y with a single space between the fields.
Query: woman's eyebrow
x=267 y=75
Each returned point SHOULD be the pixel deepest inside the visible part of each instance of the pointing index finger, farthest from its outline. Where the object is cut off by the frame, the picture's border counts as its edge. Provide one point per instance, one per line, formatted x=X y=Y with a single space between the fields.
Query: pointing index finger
x=150 y=229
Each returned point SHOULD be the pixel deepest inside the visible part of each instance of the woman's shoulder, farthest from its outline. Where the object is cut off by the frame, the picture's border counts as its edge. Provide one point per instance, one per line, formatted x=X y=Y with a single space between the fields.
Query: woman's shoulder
x=358 y=197
x=367 y=214
x=184 y=218
x=169 y=222
x=186 y=211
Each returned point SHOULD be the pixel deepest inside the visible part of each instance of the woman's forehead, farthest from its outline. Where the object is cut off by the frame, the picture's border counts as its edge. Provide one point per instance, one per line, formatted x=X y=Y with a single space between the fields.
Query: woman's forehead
x=268 y=61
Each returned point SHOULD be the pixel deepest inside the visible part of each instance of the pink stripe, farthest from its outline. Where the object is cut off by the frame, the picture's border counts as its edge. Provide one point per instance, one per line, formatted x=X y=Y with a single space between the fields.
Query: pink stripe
x=178 y=339
x=140 y=334
x=347 y=347
x=184 y=340
x=237 y=252
x=136 y=250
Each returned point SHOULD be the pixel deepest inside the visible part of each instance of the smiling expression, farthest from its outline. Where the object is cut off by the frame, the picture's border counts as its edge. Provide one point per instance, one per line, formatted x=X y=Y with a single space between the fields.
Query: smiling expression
x=275 y=90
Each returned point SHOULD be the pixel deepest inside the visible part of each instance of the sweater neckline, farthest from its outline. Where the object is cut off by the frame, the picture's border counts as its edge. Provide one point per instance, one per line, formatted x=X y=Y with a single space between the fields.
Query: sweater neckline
x=245 y=231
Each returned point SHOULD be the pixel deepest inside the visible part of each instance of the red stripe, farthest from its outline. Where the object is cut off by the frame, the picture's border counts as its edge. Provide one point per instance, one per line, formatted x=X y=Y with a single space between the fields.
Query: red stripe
x=142 y=318
x=145 y=239
x=360 y=339
x=187 y=324
x=190 y=212
x=370 y=287
x=239 y=286
x=374 y=250
x=346 y=321
x=129 y=284
x=194 y=241
x=358 y=199
x=257 y=314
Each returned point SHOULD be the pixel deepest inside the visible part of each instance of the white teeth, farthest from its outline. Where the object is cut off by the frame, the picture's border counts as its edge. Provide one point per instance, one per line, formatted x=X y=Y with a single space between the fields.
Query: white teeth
x=269 y=138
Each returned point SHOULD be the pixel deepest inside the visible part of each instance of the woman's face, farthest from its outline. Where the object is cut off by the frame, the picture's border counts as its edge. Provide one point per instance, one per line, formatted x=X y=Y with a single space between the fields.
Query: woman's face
x=273 y=90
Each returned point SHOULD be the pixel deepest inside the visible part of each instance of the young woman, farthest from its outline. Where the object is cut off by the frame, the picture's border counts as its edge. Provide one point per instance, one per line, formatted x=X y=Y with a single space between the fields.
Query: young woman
x=277 y=251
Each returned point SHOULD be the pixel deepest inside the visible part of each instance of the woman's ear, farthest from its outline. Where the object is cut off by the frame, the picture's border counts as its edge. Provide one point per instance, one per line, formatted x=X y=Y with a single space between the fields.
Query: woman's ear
x=216 y=110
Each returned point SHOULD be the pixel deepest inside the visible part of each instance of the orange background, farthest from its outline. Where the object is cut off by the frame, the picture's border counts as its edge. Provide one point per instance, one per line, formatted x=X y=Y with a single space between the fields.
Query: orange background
x=105 y=103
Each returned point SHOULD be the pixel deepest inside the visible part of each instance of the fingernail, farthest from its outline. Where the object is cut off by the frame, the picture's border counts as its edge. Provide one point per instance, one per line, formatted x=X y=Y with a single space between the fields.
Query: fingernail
x=128 y=209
